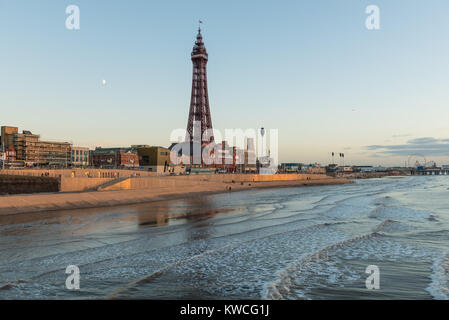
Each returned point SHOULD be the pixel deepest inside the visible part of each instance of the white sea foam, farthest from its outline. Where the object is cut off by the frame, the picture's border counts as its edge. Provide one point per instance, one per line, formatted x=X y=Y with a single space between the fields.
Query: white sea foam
x=339 y=266
x=316 y=263
x=401 y=213
x=439 y=286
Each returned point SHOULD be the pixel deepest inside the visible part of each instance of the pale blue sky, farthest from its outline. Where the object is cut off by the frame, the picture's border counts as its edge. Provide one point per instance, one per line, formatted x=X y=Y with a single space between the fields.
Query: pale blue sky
x=309 y=68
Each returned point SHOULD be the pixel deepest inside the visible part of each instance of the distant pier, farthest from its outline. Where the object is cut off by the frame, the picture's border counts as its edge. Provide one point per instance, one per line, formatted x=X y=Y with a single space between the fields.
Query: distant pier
x=431 y=172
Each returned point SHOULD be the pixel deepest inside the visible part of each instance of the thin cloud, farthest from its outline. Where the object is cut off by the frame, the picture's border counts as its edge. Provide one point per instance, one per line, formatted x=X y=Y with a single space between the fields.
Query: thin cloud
x=400 y=135
x=426 y=146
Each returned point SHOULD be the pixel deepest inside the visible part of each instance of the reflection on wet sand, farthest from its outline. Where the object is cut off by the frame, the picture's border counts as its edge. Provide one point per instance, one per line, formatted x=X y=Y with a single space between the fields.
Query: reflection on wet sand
x=187 y=210
x=56 y=232
x=112 y=219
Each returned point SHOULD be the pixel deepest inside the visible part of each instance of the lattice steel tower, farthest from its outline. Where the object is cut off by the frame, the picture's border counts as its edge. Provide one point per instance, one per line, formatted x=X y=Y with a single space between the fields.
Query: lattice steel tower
x=199 y=101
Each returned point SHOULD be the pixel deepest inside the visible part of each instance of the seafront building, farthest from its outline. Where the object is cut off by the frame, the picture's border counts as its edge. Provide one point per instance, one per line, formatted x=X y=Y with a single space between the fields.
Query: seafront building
x=314 y=168
x=250 y=164
x=115 y=158
x=7 y=136
x=290 y=167
x=154 y=159
x=9 y=154
x=80 y=157
x=32 y=151
x=35 y=152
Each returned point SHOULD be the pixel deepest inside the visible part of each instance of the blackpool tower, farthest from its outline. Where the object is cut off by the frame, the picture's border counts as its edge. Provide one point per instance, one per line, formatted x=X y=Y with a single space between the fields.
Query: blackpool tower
x=199 y=114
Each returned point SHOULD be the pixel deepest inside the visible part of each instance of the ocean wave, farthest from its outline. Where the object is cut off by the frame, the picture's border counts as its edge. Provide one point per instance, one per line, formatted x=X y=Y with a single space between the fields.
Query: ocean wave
x=280 y=288
x=158 y=273
x=401 y=213
x=439 y=286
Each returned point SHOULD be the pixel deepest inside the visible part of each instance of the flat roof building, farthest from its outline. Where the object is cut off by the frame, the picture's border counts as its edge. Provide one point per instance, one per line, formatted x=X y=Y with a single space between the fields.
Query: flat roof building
x=120 y=157
x=156 y=159
x=7 y=136
x=80 y=156
x=35 y=152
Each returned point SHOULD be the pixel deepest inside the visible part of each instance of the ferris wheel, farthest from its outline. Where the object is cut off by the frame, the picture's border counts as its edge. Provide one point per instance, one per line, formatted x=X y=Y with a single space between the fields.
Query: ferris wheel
x=416 y=160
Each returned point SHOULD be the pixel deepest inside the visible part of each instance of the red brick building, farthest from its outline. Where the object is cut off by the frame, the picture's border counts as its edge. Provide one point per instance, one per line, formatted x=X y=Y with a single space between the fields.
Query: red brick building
x=115 y=158
x=10 y=154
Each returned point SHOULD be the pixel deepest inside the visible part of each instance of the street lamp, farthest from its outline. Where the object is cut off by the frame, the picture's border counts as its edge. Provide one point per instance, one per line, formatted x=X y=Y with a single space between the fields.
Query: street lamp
x=262 y=133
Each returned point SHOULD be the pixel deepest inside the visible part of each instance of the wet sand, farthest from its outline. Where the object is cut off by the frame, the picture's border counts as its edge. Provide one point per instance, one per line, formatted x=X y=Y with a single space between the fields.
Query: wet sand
x=16 y=204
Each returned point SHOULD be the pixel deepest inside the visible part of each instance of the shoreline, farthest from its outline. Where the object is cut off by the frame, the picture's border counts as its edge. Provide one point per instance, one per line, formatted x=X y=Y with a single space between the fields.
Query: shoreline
x=34 y=203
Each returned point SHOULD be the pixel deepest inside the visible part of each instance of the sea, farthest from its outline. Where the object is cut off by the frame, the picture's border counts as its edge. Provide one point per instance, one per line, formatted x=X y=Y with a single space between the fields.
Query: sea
x=373 y=239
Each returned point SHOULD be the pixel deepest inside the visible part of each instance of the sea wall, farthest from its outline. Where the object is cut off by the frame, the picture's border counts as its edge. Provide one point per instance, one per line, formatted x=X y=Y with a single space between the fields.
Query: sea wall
x=271 y=177
x=77 y=173
x=78 y=180
x=81 y=183
x=168 y=182
x=24 y=184
x=74 y=180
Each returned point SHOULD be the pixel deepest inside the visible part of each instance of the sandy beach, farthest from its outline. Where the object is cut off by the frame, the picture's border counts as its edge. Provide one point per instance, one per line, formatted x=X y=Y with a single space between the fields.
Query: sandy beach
x=26 y=203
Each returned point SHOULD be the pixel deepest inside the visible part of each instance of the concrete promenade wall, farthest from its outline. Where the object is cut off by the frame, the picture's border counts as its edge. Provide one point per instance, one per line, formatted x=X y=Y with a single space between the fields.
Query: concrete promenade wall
x=77 y=180
x=72 y=180
x=272 y=177
x=81 y=184
x=77 y=173
x=23 y=184
x=164 y=182
x=167 y=182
